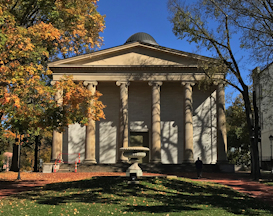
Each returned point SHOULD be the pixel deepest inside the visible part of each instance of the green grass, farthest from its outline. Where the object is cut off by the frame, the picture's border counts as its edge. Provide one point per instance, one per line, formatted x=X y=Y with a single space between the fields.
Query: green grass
x=269 y=183
x=152 y=196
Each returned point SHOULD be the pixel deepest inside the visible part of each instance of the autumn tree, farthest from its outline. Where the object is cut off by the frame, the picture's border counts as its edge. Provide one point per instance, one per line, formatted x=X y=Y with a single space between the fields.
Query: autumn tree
x=208 y=24
x=33 y=32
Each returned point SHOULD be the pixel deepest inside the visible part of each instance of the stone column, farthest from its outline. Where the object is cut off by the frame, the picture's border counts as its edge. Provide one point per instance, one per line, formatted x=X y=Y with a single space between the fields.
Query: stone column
x=221 y=125
x=57 y=142
x=90 y=138
x=188 y=145
x=123 y=136
x=156 y=129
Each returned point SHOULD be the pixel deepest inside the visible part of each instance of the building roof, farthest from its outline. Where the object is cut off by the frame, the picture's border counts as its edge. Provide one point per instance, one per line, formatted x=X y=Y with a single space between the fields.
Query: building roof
x=141 y=37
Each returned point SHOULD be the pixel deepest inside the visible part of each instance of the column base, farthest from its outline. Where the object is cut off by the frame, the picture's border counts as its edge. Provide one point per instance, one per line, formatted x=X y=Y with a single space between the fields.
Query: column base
x=225 y=167
x=222 y=162
x=90 y=161
x=53 y=160
x=188 y=162
x=123 y=161
x=155 y=162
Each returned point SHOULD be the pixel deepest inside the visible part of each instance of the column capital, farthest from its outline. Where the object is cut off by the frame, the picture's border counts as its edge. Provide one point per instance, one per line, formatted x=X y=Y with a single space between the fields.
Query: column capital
x=155 y=83
x=125 y=82
x=219 y=82
x=188 y=83
x=90 y=82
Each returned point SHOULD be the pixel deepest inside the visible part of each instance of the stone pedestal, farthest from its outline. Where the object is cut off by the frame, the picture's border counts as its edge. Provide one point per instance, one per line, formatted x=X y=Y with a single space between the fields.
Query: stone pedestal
x=134 y=154
x=48 y=167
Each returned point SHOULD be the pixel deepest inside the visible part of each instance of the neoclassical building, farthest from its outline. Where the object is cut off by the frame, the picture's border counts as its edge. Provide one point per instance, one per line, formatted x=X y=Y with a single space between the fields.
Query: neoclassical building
x=153 y=100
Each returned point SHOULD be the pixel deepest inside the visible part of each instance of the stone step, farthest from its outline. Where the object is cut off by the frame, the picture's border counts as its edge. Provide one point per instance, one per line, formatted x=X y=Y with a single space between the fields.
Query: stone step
x=152 y=168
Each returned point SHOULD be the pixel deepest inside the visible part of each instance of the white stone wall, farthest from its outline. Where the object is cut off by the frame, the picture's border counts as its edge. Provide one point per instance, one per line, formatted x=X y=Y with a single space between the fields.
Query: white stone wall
x=106 y=129
x=74 y=143
x=172 y=122
x=204 y=125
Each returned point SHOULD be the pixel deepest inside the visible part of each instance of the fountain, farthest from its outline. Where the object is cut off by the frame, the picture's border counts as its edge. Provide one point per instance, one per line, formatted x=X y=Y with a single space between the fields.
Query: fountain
x=134 y=154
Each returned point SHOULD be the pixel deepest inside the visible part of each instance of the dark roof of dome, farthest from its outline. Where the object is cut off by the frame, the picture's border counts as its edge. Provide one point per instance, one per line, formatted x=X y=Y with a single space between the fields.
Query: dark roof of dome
x=141 y=37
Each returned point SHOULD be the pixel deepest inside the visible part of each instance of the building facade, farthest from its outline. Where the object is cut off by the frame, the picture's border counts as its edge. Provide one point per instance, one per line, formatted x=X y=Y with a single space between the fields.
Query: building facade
x=153 y=100
x=262 y=81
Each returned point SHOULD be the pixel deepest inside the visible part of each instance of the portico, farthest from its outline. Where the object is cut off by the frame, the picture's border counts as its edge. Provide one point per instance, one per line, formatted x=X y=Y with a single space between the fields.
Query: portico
x=152 y=99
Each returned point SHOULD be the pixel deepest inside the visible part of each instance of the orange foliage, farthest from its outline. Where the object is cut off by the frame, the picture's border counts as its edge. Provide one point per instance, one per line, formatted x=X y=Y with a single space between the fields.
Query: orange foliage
x=79 y=101
x=9 y=134
x=63 y=27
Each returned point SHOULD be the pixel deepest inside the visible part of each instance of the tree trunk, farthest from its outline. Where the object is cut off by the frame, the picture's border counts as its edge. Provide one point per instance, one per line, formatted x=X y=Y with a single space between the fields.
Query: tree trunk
x=36 y=154
x=14 y=163
x=256 y=138
x=255 y=168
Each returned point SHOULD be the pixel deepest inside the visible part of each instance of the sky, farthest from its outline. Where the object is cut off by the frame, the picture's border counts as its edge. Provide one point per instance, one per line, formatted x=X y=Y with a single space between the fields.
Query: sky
x=127 y=17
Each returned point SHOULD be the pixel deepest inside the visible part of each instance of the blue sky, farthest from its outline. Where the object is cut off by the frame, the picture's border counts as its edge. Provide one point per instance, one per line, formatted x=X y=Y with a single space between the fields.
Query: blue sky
x=127 y=17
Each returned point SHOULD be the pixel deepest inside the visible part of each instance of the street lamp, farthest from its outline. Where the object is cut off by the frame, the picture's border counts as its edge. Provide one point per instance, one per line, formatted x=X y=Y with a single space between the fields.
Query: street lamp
x=271 y=139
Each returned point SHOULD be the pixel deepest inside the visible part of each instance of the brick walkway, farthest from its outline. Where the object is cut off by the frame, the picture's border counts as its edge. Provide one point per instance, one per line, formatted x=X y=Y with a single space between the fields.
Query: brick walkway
x=240 y=182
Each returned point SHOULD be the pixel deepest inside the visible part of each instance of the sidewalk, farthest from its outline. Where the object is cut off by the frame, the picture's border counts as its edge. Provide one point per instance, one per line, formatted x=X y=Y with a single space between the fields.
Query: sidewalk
x=240 y=181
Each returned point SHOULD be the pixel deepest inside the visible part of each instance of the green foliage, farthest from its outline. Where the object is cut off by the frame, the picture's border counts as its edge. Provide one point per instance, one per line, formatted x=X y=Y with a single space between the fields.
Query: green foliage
x=237 y=134
x=6 y=141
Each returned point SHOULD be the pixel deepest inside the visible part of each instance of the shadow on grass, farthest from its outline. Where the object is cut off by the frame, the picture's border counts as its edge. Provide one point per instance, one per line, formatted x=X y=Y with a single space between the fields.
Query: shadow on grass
x=163 y=195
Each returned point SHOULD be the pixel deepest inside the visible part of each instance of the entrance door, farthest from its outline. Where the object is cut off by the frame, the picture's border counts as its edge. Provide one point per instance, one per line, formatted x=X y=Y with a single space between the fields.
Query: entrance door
x=140 y=139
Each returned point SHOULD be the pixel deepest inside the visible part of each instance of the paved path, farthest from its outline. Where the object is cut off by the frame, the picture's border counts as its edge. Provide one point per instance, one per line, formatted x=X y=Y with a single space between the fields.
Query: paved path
x=240 y=182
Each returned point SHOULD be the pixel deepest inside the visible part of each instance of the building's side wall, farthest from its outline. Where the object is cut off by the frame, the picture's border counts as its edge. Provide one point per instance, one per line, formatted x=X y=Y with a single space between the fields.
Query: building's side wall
x=204 y=125
x=264 y=91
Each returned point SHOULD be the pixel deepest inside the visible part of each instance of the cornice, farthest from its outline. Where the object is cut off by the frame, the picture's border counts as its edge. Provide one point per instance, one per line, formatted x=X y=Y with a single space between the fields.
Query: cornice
x=129 y=46
x=191 y=83
x=87 y=69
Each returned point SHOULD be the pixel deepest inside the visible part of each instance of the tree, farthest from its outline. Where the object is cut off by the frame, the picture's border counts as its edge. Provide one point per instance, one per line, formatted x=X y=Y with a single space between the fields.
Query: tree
x=32 y=33
x=255 y=20
x=237 y=134
x=210 y=25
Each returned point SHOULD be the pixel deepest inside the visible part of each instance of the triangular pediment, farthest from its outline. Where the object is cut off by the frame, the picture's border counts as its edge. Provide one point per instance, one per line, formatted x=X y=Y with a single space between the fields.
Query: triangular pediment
x=135 y=54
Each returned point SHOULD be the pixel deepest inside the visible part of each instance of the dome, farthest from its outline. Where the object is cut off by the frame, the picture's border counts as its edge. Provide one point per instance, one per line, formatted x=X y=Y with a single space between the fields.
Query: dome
x=141 y=37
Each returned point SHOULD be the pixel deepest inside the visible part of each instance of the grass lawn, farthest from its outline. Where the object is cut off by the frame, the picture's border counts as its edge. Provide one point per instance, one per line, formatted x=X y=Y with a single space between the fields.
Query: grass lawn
x=269 y=183
x=152 y=196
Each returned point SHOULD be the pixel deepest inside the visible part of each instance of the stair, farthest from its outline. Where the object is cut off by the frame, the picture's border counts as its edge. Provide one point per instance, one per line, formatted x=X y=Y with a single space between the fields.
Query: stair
x=151 y=168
